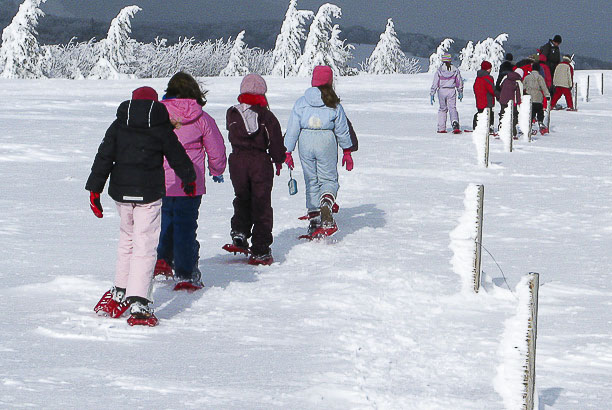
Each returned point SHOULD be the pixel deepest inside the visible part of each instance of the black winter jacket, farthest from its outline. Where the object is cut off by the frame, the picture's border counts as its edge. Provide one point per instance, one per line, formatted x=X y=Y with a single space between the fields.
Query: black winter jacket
x=552 y=53
x=504 y=69
x=133 y=151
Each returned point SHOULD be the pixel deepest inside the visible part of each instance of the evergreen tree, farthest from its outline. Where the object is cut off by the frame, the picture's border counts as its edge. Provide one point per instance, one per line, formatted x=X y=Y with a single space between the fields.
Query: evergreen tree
x=467 y=56
x=115 y=53
x=288 y=50
x=341 y=52
x=20 y=55
x=496 y=51
x=318 y=50
x=436 y=58
x=237 y=61
x=387 y=57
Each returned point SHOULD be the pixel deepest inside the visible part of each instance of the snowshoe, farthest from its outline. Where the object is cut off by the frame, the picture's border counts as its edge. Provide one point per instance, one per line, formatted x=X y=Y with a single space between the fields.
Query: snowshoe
x=192 y=284
x=162 y=268
x=467 y=130
x=543 y=131
x=534 y=131
x=141 y=314
x=456 y=129
x=239 y=244
x=320 y=233
x=557 y=107
x=314 y=214
x=113 y=303
x=264 y=259
x=572 y=109
x=442 y=132
x=231 y=248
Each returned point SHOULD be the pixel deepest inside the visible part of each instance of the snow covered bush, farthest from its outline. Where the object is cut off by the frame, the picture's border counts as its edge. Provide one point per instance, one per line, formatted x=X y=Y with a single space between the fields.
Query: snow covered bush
x=388 y=57
x=341 y=52
x=288 y=49
x=318 y=50
x=236 y=65
x=491 y=50
x=73 y=60
x=115 y=52
x=20 y=54
x=436 y=58
x=467 y=57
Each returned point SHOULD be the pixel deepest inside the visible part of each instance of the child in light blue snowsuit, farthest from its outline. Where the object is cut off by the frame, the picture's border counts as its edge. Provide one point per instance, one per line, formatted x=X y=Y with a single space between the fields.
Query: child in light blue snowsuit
x=319 y=123
x=446 y=80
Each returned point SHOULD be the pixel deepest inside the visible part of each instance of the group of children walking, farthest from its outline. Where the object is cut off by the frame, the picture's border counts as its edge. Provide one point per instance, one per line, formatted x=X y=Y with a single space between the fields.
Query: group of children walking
x=155 y=153
x=545 y=77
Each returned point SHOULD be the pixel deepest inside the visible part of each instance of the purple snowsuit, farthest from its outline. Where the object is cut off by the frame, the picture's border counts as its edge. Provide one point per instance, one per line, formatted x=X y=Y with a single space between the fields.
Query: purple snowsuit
x=445 y=82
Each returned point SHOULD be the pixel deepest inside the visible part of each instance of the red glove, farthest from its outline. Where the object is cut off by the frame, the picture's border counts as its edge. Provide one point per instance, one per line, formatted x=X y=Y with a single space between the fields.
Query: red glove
x=189 y=188
x=289 y=160
x=278 y=168
x=347 y=159
x=94 y=203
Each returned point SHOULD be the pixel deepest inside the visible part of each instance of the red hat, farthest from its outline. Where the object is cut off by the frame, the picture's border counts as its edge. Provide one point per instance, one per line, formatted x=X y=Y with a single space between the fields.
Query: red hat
x=485 y=65
x=322 y=75
x=145 y=93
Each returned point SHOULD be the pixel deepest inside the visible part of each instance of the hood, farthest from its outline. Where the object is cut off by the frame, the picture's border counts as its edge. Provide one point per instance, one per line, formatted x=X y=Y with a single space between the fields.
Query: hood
x=443 y=72
x=183 y=111
x=513 y=75
x=142 y=113
x=482 y=73
x=249 y=115
x=313 y=97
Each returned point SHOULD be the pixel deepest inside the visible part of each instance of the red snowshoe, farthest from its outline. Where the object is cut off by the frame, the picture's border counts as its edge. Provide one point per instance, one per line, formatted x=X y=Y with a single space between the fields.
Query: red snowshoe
x=320 y=233
x=150 y=321
x=231 y=248
x=112 y=303
x=162 y=268
x=188 y=286
x=457 y=131
x=265 y=260
x=543 y=131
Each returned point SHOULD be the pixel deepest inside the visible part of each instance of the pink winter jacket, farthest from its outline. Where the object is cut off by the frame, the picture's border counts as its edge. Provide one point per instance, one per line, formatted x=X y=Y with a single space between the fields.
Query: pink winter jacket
x=199 y=134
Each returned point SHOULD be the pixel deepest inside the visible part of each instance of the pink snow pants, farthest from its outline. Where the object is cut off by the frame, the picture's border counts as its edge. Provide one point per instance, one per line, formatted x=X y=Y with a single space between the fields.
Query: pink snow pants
x=137 y=250
x=448 y=102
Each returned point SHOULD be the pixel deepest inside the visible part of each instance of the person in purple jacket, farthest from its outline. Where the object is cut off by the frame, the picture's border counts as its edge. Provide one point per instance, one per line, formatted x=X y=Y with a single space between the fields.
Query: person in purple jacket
x=510 y=95
x=197 y=131
x=449 y=85
x=257 y=143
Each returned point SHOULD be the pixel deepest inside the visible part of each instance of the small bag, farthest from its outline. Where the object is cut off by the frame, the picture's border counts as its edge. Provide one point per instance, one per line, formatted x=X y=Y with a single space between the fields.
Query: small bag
x=293 y=189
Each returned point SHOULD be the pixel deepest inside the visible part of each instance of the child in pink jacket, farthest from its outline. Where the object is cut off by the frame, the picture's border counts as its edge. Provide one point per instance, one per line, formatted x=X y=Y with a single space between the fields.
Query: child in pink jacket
x=197 y=131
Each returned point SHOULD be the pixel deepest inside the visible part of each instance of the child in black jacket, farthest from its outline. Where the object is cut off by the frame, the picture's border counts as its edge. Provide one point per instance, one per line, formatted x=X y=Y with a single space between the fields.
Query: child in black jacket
x=132 y=153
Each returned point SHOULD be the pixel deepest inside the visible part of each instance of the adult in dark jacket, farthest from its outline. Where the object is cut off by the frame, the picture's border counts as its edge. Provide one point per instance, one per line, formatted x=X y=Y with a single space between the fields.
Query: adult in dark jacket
x=504 y=69
x=511 y=95
x=132 y=153
x=484 y=92
x=257 y=143
x=552 y=52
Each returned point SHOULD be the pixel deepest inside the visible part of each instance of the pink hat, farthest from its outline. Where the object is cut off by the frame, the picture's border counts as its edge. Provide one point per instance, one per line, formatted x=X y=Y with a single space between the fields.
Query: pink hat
x=144 y=93
x=322 y=75
x=253 y=84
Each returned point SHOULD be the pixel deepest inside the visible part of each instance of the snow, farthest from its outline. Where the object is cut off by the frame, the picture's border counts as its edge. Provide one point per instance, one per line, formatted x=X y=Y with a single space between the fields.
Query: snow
x=376 y=319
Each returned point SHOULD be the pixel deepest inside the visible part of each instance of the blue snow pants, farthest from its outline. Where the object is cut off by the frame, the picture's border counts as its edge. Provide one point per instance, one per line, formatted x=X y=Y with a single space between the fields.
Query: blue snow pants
x=319 y=158
x=178 y=244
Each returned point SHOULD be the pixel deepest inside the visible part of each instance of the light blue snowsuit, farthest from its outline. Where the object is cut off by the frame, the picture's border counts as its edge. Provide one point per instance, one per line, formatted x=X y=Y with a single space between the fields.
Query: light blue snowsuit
x=319 y=129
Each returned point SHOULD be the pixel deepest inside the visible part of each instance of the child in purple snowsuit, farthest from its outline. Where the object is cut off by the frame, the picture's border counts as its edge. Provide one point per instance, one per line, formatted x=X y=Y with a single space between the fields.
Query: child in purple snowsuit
x=449 y=84
x=257 y=142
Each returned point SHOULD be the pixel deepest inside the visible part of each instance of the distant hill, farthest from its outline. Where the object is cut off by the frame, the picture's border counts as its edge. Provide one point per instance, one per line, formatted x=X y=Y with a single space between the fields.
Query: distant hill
x=259 y=33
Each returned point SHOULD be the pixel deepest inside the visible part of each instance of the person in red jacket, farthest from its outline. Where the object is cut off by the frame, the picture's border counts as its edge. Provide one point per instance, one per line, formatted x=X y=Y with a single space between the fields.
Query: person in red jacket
x=484 y=91
x=545 y=73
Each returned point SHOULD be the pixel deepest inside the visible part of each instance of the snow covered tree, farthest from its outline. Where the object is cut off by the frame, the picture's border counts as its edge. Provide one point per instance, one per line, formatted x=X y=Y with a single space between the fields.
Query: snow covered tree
x=387 y=57
x=467 y=56
x=341 y=52
x=20 y=55
x=288 y=49
x=490 y=50
x=237 y=61
x=115 y=50
x=436 y=58
x=317 y=50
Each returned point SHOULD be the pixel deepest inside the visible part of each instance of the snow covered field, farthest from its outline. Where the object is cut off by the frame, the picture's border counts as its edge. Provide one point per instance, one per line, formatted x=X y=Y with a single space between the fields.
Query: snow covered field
x=375 y=320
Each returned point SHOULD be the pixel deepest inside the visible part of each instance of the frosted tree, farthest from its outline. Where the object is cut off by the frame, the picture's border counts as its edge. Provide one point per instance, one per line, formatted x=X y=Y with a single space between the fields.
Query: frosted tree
x=20 y=55
x=115 y=50
x=436 y=58
x=387 y=57
x=496 y=51
x=341 y=52
x=318 y=50
x=467 y=57
x=288 y=47
x=237 y=60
